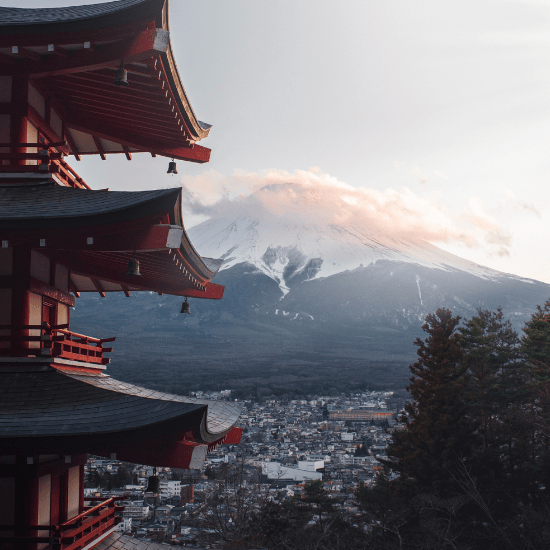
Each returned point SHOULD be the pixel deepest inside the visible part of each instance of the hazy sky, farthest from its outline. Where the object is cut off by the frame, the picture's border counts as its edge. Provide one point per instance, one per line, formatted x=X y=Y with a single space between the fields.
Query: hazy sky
x=442 y=104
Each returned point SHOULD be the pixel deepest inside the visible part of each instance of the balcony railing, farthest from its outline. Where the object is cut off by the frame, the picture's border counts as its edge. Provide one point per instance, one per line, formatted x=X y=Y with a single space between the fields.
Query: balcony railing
x=75 y=533
x=53 y=341
x=48 y=161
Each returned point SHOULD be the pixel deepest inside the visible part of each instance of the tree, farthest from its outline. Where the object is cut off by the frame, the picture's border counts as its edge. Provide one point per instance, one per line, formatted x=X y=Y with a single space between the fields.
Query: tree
x=438 y=431
x=316 y=496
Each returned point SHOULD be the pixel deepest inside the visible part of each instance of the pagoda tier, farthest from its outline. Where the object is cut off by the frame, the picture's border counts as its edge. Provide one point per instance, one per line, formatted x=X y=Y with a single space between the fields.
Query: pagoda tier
x=108 y=418
x=96 y=233
x=59 y=65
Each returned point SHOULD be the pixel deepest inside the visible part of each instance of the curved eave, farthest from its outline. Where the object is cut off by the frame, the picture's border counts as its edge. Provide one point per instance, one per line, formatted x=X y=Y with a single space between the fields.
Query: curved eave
x=45 y=410
x=199 y=129
x=133 y=30
x=95 y=233
x=18 y=21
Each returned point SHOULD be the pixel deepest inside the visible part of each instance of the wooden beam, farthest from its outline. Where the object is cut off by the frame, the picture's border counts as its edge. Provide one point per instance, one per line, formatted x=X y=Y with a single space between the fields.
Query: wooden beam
x=151 y=81
x=126 y=291
x=127 y=152
x=142 y=143
x=141 y=46
x=25 y=53
x=107 y=102
x=149 y=239
x=7 y=59
x=72 y=144
x=99 y=147
x=96 y=81
x=57 y=50
x=212 y=292
x=97 y=285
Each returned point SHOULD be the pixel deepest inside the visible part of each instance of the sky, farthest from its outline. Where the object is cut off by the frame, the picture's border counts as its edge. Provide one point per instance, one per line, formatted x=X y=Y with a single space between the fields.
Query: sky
x=440 y=108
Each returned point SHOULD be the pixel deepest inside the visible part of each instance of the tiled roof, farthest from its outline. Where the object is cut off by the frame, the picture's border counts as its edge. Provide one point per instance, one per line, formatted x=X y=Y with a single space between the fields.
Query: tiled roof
x=25 y=16
x=117 y=541
x=222 y=415
x=48 y=403
x=52 y=201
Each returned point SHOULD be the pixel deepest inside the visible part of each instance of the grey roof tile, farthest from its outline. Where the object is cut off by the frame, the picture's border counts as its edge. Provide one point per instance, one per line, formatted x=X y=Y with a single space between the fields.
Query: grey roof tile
x=25 y=16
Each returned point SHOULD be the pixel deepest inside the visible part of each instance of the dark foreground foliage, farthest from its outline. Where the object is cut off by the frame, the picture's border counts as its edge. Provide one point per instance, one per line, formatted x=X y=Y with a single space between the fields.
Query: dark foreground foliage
x=471 y=467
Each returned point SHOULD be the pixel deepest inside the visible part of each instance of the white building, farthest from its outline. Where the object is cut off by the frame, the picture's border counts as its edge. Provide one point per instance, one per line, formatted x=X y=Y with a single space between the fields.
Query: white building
x=170 y=488
x=137 y=512
x=274 y=470
x=125 y=525
x=310 y=465
x=347 y=436
x=356 y=460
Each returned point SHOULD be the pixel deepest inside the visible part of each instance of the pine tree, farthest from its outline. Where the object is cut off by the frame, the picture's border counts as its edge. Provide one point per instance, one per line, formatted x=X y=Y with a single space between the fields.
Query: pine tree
x=493 y=399
x=438 y=431
x=536 y=403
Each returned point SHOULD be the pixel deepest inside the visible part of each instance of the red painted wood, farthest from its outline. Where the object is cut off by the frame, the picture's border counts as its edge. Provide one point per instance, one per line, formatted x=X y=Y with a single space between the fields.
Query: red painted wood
x=132 y=48
x=78 y=36
x=81 y=486
x=55 y=500
x=38 y=287
x=233 y=437
x=212 y=292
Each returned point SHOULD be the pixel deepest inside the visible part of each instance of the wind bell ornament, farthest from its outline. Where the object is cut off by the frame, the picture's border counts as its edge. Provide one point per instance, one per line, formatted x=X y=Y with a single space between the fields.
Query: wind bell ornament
x=153 y=483
x=185 y=307
x=172 y=169
x=133 y=267
x=121 y=77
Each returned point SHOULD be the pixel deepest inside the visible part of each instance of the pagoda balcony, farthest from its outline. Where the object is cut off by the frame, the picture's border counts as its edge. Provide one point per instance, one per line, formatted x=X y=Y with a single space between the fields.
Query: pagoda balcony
x=78 y=532
x=48 y=159
x=55 y=341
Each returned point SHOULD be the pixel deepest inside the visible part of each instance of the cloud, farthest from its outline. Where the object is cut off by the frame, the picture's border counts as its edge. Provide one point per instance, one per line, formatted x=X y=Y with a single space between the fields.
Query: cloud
x=513 y=202
x=312 y=196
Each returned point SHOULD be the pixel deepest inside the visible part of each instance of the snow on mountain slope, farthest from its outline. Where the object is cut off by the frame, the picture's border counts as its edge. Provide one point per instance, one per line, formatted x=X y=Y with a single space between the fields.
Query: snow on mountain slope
x=304 y=241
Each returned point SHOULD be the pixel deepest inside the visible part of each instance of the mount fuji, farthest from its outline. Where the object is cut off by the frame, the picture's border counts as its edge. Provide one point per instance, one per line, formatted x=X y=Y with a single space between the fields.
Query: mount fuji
x=309 y=292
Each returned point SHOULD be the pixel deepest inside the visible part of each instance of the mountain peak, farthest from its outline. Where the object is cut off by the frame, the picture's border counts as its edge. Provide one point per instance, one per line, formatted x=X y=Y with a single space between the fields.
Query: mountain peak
x=293 y=233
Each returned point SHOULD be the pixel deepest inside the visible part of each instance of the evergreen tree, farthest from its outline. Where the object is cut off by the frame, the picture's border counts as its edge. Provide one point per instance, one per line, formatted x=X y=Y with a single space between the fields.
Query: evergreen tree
x=438 y=431
x=535 y=410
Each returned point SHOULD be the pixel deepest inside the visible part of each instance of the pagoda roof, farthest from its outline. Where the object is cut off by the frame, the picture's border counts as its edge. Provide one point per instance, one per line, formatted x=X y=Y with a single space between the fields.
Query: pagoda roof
x=46 y=16
x=70 y=56
x=96 y=233
x=43 y=409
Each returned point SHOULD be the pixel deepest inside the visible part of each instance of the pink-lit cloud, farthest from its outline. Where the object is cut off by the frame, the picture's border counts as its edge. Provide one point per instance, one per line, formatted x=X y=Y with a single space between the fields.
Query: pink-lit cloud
x=312 y=195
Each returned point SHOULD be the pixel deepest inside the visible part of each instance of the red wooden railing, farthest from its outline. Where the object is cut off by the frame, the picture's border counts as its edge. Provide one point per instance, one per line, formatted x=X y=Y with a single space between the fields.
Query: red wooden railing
x=53 y=341
x=71 y=535
x=49 y=160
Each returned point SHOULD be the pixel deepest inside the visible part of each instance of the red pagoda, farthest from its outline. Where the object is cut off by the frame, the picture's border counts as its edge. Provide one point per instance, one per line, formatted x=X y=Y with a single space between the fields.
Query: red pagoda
x=88 y=80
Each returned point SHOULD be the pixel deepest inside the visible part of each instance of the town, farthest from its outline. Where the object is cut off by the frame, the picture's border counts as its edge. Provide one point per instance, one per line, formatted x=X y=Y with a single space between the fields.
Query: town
x=285 y=445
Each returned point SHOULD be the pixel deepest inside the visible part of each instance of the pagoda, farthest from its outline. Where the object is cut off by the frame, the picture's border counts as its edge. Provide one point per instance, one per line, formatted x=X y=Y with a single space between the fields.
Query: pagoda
x=88 y=80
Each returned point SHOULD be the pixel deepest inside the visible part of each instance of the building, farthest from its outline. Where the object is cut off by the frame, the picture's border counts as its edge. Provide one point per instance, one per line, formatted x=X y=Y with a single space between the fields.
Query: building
x=187 y=494
x=88 y=80
x=274 y=470
x=361 y=415
x=170 y=488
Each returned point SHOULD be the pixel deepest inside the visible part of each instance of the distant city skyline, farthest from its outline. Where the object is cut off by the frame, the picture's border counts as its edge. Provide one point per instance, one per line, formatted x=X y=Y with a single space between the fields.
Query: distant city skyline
x=440 y=108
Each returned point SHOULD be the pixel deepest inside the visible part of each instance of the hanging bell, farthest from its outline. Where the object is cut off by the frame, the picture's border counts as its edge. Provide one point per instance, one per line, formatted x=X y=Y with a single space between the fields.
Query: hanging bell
x=153 y=485
x=133 y=267
x=121 y=77
x=172 y=169
x=185 y=307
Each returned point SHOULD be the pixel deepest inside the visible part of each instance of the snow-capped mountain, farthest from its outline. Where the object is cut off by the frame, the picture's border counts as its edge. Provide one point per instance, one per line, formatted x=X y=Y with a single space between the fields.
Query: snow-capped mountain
x=307 y=293
x=304 y=242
